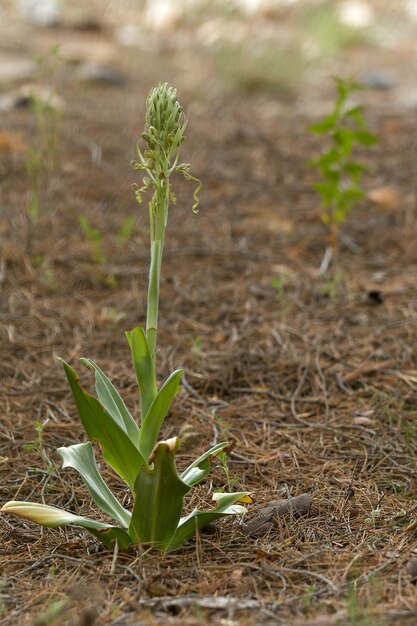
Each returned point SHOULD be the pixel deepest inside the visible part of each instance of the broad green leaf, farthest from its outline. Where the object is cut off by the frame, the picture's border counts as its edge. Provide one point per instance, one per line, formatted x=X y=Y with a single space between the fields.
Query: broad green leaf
x=226 y=505
x=52 y=517
x=328 y=159
x=355 y=111
x=112 y=401
x=324 y=125
x=152 y=422
x=118 y=450
x=200 y=468
x=159 y=498
x=365 y=138
x=355 y=170
x=344 y=139
x=144 y=367
x=351 y=195
x=328 y=192
x=81 y=458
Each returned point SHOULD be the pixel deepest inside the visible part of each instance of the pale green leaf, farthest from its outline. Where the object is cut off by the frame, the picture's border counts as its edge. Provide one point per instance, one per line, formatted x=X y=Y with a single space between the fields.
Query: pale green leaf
x=81 y=458
x=144 y=367
x=158 y=410
x=159 y=498
x=227 y=504
x=118 y=450
x=112 y=401
x=200 y=468
x=52 y=517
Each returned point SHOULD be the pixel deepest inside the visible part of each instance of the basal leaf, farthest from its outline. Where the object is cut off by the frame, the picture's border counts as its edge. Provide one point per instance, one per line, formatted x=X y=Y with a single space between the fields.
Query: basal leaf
x=81 y=458
x=52 y=517
x=226 y=505
x=144 y=367
x=200 y=468
x=159 y=500
x=112 y=401
x=151 y=424
x=118 y=449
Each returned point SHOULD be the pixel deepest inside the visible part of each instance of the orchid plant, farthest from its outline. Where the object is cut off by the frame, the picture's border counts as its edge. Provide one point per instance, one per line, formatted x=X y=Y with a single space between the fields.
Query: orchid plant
x=133 y=450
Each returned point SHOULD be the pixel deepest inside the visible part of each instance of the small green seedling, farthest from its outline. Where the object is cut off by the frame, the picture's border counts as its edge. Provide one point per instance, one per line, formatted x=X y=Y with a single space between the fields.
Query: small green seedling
x=224 y=465
x=94 y=237
x=340 y=186
x=41 y=158
x=126 y=230
x=133 y=450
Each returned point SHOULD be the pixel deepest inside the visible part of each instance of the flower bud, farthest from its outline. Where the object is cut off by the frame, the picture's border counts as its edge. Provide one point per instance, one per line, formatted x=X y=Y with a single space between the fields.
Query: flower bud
x=164 y=115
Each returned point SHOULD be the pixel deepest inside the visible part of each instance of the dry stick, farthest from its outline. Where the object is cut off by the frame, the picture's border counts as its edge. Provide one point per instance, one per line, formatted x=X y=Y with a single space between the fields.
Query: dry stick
x=294 y=397
x=42 y=560
x=267 y=517
x=277 y=396
x=323 y=381
x=307 y=572
x=114 y=559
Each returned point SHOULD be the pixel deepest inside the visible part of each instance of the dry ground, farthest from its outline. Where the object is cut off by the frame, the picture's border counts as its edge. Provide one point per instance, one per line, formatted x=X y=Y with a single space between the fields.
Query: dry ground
x=313 y=377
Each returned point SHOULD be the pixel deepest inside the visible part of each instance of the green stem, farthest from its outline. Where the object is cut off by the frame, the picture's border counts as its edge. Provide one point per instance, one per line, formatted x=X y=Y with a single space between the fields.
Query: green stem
x=159 y=214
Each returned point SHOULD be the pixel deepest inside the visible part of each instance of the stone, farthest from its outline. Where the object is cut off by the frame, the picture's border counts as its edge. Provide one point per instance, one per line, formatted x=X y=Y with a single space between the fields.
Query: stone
x=376 y=79
x=356 y=14
x=82 y=19
x=21 y=98
x=80 y=51
x=93 y=72
x=15 y=69
x=267 y=518
x=411 y=568
x=40 y=12
x=190 y=437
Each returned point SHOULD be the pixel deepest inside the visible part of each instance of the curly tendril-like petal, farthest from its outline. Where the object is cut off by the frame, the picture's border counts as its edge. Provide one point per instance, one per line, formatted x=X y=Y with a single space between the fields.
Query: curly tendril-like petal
x=138 y=191
x=188 y=176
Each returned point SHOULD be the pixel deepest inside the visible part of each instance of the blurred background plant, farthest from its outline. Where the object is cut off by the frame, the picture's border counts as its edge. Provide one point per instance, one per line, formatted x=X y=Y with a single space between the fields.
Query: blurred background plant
x=42 y=155
x=340 y=186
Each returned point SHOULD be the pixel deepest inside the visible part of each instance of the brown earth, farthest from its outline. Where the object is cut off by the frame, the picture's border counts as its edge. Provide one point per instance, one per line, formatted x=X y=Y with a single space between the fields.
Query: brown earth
x=313 y=377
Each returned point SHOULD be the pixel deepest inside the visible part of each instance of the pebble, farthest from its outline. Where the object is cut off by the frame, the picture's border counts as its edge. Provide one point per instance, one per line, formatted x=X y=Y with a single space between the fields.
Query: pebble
x=162 y=15
x=411 y=568
x=93 y=72
x=21 y=98
x=79 y=51
x=82 y=19
x=356 y=14
x=40 y=12
x=376 y=79
x=190 y=437
x=15 y=69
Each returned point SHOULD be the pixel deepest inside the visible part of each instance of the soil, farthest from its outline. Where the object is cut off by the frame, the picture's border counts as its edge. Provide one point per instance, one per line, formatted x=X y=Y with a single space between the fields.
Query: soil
x=313 y=377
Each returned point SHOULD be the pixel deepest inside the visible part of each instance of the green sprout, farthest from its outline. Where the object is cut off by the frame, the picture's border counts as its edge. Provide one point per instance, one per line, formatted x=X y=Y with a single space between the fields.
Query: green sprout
x=94 y=237
x=340 y=186
x=41 y=158
x=126 y=231
x=145 y=464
